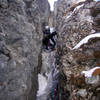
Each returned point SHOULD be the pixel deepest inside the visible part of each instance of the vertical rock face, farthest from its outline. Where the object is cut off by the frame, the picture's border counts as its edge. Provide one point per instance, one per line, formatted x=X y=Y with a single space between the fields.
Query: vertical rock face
x=75 y=21
x=20 y=46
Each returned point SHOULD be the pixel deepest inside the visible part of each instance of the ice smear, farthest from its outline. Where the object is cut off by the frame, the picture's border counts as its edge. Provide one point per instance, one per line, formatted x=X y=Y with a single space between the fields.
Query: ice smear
x=85 y=40
x=42 y=84
x=89 y=72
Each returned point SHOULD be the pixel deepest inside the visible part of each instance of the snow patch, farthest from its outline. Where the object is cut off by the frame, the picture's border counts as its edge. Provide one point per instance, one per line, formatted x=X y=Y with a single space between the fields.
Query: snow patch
x=85 y=40
x=42 y=84
x=51 y=2
x=92 y=31
x=80 y=1
x=89 y=72
x=78 y=7
x=77 y=1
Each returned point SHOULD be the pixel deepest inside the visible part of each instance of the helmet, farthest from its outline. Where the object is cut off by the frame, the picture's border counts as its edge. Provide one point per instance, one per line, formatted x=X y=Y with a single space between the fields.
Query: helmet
x=46 y=27
x=47 y=30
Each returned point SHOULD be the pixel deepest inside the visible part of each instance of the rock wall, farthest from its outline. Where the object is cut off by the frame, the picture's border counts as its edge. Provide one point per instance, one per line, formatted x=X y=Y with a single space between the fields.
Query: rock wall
x=20 y=47
x=75 y=21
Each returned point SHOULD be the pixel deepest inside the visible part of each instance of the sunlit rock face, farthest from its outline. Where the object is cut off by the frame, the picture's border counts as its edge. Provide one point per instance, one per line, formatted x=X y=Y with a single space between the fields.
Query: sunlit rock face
x=89 y=53
x=72 y=28
x=81 y=20
x=20 y=46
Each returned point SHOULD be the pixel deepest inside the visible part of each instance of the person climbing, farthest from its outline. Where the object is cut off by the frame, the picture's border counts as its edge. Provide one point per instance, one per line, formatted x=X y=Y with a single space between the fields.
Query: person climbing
x=45 y=41
x=49 y=41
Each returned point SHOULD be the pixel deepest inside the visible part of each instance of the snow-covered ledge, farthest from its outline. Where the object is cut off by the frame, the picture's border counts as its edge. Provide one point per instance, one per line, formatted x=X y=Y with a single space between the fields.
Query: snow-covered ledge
x=86 y=39
x=92 y=76
x=90 y=72
x=77 y=8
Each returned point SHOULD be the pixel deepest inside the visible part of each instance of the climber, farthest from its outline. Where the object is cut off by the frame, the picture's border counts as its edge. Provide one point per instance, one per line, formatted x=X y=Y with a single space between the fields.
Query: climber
x=49 y=38
x=45 y=41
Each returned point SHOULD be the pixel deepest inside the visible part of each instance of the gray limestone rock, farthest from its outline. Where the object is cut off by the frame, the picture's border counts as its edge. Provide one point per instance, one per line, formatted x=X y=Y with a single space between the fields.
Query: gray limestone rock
x=4 y=3
x=20 y=47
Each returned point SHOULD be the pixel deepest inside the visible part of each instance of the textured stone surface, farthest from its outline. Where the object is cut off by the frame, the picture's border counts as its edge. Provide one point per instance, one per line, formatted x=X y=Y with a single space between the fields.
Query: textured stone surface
x=72 y=27
x=20 y=46
x=82 y=93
